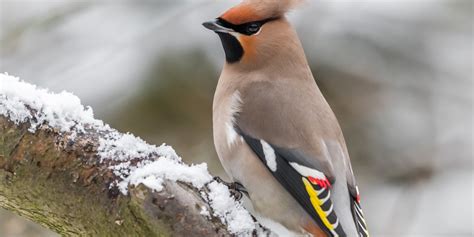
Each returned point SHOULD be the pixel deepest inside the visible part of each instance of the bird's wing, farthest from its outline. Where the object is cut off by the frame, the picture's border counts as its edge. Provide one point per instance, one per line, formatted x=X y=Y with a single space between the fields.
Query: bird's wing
x=308 y=185
x=281 y=129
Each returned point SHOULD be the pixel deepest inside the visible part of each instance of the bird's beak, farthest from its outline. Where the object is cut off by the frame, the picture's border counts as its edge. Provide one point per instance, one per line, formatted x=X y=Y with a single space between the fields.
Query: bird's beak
x=216 y=27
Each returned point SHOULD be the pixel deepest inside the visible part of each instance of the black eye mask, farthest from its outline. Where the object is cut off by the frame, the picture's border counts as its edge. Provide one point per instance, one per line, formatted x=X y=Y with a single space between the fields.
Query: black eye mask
x=249 y=28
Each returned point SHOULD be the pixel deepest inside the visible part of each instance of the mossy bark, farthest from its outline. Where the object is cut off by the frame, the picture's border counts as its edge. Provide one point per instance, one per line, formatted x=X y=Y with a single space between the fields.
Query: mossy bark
x=62 y=185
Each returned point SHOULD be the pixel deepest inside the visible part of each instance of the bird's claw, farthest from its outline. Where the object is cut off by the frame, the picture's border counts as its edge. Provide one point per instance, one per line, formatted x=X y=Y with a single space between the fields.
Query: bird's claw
x=236 y=189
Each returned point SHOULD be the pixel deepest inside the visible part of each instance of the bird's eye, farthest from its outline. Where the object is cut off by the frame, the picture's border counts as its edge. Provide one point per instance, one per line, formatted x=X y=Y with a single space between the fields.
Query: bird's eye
x=253 y=28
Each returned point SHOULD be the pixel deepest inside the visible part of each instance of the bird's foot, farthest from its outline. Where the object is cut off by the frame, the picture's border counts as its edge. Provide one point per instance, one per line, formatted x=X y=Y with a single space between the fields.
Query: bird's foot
x=236 y=189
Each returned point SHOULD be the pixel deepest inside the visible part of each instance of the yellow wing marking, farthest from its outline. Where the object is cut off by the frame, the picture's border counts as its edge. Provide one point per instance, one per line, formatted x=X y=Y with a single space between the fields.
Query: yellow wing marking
x=317 y=203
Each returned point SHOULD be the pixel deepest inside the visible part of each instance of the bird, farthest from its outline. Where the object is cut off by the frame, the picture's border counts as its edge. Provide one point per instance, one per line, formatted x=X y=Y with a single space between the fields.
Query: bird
x=274 y=132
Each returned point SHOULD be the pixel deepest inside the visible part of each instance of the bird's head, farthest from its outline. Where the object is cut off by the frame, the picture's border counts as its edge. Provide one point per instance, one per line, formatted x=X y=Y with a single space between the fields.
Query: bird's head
x=255 y=30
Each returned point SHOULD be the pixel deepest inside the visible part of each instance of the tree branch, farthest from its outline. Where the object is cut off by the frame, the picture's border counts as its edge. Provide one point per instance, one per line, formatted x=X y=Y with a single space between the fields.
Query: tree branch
x=62 y=181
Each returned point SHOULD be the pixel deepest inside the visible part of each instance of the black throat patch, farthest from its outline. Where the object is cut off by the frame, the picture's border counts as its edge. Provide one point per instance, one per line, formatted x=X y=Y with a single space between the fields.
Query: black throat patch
x=233 y=50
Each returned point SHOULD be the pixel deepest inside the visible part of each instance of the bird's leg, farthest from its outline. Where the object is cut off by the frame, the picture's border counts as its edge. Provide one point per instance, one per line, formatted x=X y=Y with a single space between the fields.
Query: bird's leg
x=236 y=189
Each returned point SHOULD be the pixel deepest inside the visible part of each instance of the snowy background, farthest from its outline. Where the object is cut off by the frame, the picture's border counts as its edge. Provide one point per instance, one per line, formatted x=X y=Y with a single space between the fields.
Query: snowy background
x=398 y=74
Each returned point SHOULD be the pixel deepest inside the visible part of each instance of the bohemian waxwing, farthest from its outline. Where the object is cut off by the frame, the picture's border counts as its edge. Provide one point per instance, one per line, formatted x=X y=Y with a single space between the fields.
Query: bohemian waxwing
x=274 y=132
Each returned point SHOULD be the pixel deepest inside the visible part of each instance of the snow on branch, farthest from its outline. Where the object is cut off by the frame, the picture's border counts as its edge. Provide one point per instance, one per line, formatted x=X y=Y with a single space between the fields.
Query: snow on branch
x=131 y=161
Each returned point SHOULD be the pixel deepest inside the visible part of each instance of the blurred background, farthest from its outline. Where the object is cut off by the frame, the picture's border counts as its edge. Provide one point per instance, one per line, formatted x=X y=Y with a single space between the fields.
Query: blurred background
x=397 y=73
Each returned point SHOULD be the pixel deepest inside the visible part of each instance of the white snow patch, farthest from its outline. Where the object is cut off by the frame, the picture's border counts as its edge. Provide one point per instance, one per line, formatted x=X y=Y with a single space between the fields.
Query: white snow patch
x=21 y=101
x=150 y=171
x=204 y=211
x=123 y=147
x=238 y=219
x=270 y=156
x=153 y=174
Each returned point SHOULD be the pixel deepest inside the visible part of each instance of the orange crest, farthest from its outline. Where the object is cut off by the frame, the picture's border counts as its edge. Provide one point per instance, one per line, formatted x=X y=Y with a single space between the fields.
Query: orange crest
x=241 y=14
x=256 y=10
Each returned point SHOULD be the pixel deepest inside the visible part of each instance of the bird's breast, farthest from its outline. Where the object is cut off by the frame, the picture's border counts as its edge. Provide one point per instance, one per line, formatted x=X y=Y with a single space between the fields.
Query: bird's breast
x=226 y=108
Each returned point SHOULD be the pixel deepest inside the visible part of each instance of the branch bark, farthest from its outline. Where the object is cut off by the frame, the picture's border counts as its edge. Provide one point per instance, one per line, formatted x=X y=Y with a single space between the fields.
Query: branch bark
x=61 y=184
